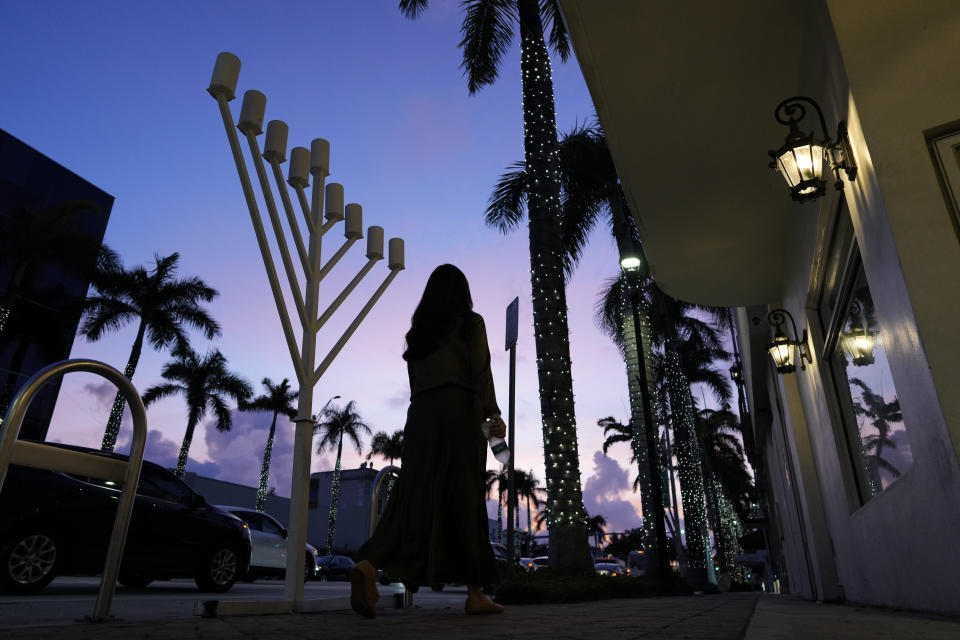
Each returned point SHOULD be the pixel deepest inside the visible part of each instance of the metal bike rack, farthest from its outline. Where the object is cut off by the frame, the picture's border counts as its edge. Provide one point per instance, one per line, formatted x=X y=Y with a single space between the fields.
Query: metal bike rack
x=403 y=598
x=44 y=456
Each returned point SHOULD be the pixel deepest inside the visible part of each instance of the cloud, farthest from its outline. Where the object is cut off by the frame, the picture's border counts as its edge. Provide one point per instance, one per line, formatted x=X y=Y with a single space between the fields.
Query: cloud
x=159 y=450
x=602 y=494
x=398 y=400
x=239 y=452
x=104 y=392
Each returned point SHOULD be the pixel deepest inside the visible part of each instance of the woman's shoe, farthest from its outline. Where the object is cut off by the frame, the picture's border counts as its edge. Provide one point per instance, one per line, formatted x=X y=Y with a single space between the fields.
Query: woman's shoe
x=363 y=589
x=479 y=604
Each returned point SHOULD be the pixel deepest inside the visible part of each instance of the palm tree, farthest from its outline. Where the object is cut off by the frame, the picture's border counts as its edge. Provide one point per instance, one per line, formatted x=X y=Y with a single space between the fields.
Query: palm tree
x=591 y=194
x=595 y=527
x=687 y=348
x=203 y=382
x=724 y=472
x=163 y=306
x=528 y=488
x=881 y=414
x=334 y=425
x=488 y=30
x=33 y=237
x=499 y=480
x=388 y=447
x=279 y=399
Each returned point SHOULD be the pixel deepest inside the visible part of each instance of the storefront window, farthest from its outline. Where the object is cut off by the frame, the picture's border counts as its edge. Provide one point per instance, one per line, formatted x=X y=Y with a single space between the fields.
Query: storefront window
x=873 y=426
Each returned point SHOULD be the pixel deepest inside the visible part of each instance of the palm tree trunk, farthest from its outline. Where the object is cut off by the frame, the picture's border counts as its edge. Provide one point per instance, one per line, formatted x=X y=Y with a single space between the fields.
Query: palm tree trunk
x=529 y=528
x=567 y=518
x=637 y=418
x=688 y=461
x=185 y=447
x=119 y=402
x=499 y=514
x=334 y=498
x=13 y=383
x=12 y=293
x=265 y=466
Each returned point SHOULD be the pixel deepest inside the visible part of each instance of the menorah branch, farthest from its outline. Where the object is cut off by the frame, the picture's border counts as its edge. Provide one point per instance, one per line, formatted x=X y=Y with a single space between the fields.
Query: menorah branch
x=261 y=235
x=291 y=218
x=327 y=361
x=277 y=227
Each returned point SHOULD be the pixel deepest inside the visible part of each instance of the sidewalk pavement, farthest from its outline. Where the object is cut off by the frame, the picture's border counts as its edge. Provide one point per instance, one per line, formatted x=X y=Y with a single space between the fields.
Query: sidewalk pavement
x=716 y=617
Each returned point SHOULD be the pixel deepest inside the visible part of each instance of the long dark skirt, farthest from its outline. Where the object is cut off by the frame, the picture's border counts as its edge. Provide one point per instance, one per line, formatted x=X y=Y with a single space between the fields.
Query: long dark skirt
x=434 y=528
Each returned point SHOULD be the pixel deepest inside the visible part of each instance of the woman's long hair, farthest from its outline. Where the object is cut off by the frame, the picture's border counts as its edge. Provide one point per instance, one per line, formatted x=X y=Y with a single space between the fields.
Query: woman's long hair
x=445 y=303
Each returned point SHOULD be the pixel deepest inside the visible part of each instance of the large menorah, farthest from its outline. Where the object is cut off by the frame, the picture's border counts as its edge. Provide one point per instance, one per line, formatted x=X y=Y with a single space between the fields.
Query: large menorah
x=303 y=164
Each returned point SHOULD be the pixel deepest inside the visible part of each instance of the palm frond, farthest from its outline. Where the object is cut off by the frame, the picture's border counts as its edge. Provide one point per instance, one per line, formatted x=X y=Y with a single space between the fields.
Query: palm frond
x=559 y=38
x=222 y=412
x=487 y=32
x=413 y=8
x=160 y=391
x=507 y=206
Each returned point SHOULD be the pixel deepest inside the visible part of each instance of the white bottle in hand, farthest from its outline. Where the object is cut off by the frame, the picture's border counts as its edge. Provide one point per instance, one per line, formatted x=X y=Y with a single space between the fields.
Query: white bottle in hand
x=497 y=445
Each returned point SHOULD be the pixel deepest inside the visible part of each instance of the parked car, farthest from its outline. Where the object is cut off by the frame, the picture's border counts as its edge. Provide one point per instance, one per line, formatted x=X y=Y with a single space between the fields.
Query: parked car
x=59 y=524
x=540 y=562
x=334 y=568
x=609 y=569
x=269 y=556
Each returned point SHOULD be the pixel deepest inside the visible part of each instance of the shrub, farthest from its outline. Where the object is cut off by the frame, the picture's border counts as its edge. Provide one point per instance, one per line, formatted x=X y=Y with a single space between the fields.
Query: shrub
x=546 y=586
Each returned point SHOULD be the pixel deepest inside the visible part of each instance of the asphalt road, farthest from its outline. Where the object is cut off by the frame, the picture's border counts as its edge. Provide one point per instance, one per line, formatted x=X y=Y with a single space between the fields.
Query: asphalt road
x=68 y=600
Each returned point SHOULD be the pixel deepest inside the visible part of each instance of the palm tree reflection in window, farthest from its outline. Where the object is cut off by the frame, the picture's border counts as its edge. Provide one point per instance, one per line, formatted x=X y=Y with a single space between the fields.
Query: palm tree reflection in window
x=881 y=415
x=875 y=426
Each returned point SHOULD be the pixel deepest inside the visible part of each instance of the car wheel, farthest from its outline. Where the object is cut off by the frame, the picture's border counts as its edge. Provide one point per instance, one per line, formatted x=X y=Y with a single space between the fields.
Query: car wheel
x=135 y=579
x=219 y=570
x=29 y=562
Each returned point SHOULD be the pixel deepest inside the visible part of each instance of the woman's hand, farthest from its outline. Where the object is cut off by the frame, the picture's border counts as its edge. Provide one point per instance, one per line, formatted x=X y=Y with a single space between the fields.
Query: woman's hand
x=498 y=428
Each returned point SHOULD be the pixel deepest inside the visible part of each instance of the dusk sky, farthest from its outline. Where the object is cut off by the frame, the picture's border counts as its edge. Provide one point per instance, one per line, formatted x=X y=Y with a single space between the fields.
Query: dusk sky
x=115 y=91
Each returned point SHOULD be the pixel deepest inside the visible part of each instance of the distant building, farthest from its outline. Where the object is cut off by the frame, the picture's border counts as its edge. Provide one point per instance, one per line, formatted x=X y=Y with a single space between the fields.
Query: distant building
x=41 y=329
x=353 y=512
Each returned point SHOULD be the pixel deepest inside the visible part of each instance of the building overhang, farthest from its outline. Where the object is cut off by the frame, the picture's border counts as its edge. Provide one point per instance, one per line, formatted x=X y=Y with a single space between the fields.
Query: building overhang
x=685 y=91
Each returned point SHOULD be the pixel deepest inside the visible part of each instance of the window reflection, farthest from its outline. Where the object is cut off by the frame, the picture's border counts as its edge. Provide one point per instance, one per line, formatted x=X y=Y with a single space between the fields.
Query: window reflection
x=875 y=430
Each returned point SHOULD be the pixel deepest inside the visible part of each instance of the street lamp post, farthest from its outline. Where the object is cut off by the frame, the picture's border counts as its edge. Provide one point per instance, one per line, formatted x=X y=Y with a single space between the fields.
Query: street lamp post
x=634 y=266
x=326 y=201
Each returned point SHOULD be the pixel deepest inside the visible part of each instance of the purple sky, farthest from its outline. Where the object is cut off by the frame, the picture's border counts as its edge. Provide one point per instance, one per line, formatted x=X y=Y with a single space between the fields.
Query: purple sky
x=115 y=91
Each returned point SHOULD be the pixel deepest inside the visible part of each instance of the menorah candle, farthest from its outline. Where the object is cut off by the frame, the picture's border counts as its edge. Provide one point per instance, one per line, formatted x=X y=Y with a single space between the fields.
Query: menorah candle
x=251 y=113
x=226 y=71
x=275 y=147
x=299 y=173
x=353 y=228
x=334 y=201
x=396 y=254
x=375 y=243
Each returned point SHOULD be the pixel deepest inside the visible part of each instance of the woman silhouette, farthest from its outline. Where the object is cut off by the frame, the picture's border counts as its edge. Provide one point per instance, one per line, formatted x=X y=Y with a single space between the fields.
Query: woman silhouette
x=434 y=529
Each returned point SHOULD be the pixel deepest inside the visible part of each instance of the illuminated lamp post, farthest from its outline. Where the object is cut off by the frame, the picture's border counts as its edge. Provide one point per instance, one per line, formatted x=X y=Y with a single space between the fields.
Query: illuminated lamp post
x=635 y=268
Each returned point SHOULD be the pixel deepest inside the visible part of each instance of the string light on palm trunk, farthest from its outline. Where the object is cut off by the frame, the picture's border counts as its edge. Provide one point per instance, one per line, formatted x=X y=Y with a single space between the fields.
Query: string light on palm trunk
x=334 y=503
x=688 y=461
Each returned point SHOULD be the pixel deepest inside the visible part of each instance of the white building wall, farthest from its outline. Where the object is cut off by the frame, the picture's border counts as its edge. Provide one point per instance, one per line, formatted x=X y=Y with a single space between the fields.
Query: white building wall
x=899 y=549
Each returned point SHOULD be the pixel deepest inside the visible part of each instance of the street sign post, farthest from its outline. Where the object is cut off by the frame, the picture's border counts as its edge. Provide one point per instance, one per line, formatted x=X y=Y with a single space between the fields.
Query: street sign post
x=513 y=312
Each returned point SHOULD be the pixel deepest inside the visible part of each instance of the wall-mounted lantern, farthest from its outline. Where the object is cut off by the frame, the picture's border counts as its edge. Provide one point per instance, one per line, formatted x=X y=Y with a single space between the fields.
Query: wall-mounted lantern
x=785 y=350
x=859 y=342
x=804 y=158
